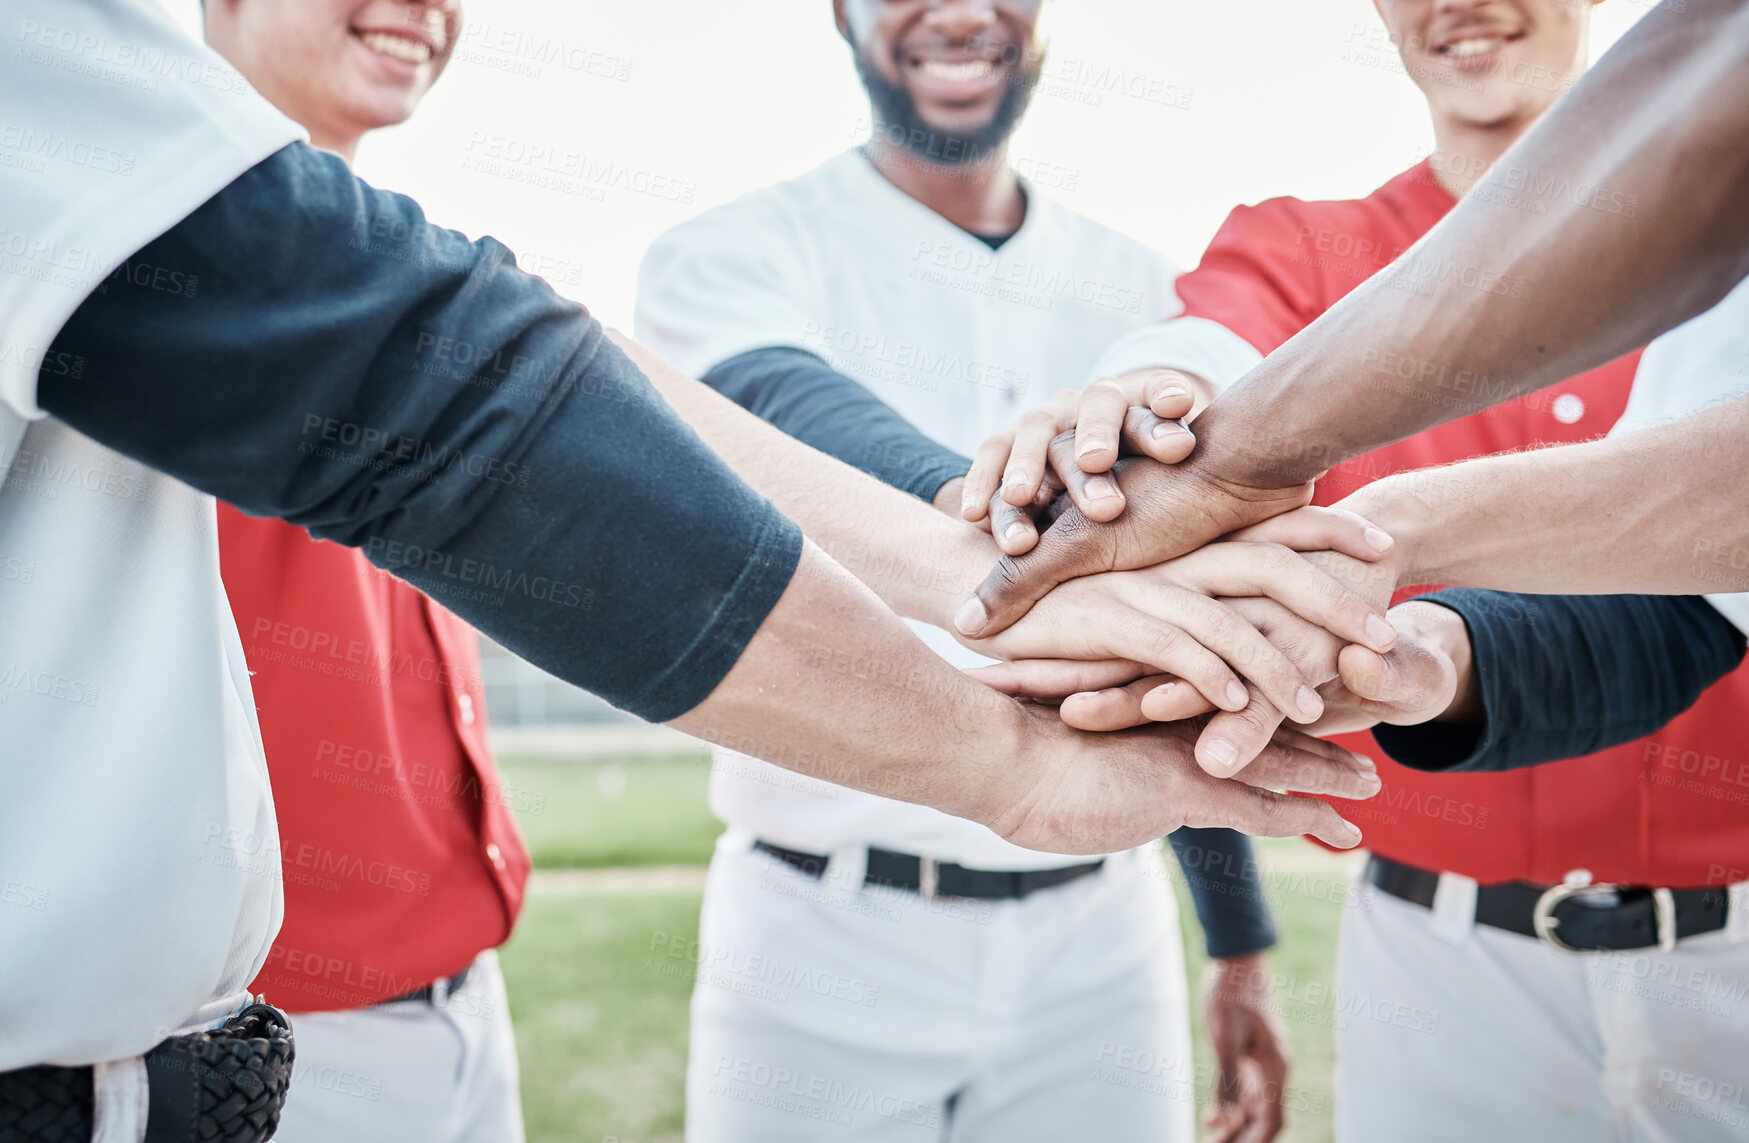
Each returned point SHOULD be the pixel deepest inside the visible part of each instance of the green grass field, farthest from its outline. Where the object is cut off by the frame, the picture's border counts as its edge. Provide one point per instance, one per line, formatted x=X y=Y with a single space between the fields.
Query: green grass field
x=603 y=1033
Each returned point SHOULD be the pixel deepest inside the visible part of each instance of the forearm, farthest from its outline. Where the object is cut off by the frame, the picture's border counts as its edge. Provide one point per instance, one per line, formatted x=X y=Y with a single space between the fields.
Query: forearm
x=836 y=687
x=915 y=558
x=1661 y=510
x=793 y=390
x=1642 y=179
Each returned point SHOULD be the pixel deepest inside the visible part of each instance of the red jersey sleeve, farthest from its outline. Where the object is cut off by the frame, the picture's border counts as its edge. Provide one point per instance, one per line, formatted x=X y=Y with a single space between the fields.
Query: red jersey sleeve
x=1258 y=277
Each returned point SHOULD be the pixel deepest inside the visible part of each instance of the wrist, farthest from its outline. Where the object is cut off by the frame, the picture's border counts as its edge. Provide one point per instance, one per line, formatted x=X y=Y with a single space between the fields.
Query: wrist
x=1390 y=504
x=1228 y=454
x=947 y=497
x=1007 y=752
x=1240 y=967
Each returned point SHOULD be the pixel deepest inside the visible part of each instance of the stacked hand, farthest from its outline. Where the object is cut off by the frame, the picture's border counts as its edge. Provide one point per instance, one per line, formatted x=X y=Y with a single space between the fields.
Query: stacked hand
x=1289 y=599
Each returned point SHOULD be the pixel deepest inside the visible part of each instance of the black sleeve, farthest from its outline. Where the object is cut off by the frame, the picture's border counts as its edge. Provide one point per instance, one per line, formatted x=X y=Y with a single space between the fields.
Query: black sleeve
x=309 y=347
x=817 y=405
x=1566 y=675
x=1226 y=888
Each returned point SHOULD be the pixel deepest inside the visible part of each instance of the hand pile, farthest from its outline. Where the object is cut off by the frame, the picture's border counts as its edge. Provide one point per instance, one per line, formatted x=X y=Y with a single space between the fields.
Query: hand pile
x=1162 y=592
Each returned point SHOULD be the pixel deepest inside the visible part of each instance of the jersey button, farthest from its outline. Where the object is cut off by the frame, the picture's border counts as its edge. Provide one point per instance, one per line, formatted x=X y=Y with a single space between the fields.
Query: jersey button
x=466 y=702
x=497 y=855
x=1569 y=408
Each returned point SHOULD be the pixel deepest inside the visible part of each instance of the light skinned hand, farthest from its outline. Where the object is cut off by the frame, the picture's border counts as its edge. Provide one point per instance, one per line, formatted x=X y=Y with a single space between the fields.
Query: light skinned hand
x=1013 y=465
x=1071 y=792
x=1165 y=619
x=1098 y=696
x=1427 y=677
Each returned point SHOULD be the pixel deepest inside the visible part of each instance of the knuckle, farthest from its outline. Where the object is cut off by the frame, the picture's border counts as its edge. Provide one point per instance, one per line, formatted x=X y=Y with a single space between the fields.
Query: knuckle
x=1164 y=642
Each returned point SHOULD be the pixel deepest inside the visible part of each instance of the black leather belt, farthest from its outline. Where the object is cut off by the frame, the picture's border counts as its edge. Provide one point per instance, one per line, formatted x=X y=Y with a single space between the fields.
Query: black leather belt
x=1578 y=918
x=437 y=991
x=930 y=878
x=222 y=1086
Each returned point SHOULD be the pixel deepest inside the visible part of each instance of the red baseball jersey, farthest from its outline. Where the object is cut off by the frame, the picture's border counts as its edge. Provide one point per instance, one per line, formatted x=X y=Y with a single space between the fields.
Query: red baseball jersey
x=1671 y=809
x=400 y=854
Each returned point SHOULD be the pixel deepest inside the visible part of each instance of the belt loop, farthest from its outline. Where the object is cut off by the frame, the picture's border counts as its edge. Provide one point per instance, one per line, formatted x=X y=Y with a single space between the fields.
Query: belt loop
x=928 y=878
x=120 y=1099
x=1664 y=910
x=1737 y=913
x=1454 y=908
x=846 y=868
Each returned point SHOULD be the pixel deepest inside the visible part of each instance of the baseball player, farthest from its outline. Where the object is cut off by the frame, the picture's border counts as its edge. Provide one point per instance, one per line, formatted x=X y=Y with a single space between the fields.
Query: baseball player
x=977 y=991
x=402 y=864
x=1463 y=965
x=230 y=294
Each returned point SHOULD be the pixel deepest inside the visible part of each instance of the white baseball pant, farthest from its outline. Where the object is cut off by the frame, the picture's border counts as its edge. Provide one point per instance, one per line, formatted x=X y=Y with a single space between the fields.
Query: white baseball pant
x=1452 y=1031
x=825 y=1010
x=408 y=1072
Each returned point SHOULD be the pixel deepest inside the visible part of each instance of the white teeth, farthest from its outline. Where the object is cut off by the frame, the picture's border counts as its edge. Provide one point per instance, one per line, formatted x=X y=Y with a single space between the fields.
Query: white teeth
x=962 y=70
x=1472 y=47
x=397 y=47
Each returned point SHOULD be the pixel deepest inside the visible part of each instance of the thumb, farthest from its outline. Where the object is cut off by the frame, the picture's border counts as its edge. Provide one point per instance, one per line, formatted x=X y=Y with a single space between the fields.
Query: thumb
x=1406 y=685
x=1367 y=673
x=1069 y=548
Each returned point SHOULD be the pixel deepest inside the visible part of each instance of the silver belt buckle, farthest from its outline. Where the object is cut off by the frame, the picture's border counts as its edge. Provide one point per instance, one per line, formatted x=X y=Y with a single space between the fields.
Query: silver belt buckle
x=1544 y=921
x=928 y=878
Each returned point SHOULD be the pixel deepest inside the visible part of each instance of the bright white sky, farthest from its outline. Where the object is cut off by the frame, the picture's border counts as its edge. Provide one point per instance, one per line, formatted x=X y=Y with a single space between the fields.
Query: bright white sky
x=706 y=99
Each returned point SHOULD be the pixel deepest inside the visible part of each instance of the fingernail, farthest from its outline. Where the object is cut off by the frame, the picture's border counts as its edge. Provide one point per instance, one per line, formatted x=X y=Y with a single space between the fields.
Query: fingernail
x=971 y=618
x=1223 y=755
x=1381 y=633
x=1099 y=488
x=1237 y=695
x=1379 y=540
x=1367 y=764
x=1310 y=704
x=1174 y=391
x=1351 y=836
x=1168 y=429
x=1371 y=783
x=1089 y=444
x=1015 y=531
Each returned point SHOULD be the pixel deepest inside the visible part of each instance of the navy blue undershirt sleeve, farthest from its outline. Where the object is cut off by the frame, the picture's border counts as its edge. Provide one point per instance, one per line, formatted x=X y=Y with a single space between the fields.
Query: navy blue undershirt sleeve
x=1226 y=888
x=814 y=403
x=309 y=347
x=1566 y=675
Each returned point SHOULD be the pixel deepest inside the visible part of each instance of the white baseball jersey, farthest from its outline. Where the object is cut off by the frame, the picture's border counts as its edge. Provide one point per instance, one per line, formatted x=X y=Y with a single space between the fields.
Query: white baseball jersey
x=1699 y=363
x=139 y=877
x=957 y=337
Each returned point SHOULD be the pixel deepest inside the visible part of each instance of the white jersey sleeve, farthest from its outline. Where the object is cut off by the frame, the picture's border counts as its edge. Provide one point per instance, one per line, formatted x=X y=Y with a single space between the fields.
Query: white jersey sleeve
x=734 y=279
x=1193 y=344
x=118 y=126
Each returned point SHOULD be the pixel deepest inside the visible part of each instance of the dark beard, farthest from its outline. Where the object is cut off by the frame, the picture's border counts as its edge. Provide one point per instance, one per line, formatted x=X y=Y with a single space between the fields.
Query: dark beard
x=898 y=123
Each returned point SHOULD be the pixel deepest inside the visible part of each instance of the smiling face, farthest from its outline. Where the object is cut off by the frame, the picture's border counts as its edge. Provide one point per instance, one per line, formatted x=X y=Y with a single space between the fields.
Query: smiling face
x=947 y=79
x=1490 y=63
x=339 y=67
